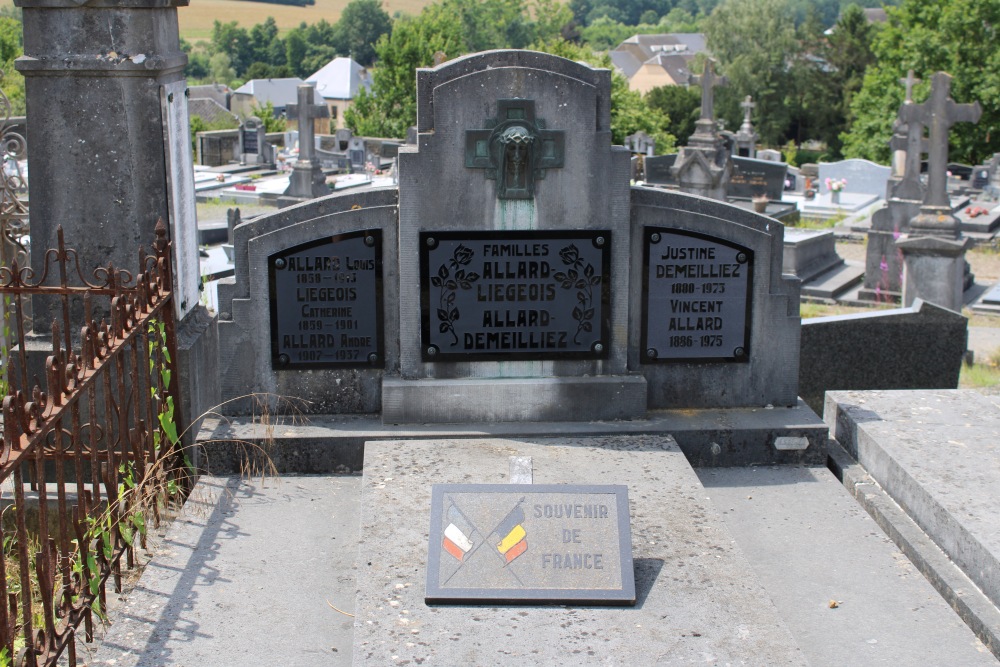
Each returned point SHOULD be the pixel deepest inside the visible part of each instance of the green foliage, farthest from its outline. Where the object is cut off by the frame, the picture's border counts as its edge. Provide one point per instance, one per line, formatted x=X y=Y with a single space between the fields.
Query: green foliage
x=753 y=42
x=272 y=123
x=604 y=34
x=955 y=36
x=359 y=28
x=681 y=104
x=10 y=49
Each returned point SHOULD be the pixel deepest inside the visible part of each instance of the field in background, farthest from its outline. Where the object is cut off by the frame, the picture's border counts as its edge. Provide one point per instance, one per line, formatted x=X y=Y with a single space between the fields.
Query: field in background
x=196 y=19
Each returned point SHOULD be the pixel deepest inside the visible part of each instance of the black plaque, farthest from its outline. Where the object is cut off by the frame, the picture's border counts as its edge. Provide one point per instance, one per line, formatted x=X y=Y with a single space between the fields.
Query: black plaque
x=530 y=543
x=753 y=178
x=326 y=303
x=515 y=295
x=250 y=145
x=696 y=298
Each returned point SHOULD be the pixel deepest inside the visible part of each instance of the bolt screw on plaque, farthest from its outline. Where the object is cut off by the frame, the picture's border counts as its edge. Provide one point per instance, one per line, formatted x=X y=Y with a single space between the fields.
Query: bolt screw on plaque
x=598 y=348
x=741 y=258
x=369 y=240
x=599 y=241
x=283 y=359
x=651 y=353
x=654 y=238
x=279 y=263
x=373 y=358
x=432 y=350
x=738 y=352
x=431 y=242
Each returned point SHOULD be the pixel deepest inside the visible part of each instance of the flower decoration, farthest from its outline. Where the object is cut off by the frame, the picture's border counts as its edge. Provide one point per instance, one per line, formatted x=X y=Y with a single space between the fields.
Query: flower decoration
x=836 y=184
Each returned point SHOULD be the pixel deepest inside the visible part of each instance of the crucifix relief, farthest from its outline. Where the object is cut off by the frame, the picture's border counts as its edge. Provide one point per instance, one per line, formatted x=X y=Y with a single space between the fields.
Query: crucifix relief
x=515 y=149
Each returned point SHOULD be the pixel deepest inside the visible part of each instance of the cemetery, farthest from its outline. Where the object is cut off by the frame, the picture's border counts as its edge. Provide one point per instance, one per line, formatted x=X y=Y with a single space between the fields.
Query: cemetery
x=530 y=395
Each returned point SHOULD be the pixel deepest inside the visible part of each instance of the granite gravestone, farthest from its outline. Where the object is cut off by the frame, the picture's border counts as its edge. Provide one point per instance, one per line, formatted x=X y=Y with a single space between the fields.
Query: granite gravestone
x=755 y=178
x=254 y=148
x=659 y=169
x=862 y=176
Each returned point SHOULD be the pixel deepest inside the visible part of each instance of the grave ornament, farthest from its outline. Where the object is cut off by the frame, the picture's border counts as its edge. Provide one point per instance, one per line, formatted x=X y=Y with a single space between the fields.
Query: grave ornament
x=514 y=149
x=704 y=166
x=307 y=180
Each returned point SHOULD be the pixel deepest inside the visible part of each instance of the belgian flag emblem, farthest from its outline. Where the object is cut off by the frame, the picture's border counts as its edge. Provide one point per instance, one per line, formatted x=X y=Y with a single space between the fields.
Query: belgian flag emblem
x=513 y=538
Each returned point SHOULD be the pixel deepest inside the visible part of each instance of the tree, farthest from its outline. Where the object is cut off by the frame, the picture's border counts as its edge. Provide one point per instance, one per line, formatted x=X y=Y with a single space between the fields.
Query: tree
x=272 y=123
x=955 y=36
x=234 y=42
x=361 y=25
x=679 y=103
x=754 y=43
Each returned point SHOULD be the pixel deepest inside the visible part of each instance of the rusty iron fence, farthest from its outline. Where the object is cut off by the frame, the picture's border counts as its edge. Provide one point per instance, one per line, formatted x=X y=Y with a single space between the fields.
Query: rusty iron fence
x=90 y=454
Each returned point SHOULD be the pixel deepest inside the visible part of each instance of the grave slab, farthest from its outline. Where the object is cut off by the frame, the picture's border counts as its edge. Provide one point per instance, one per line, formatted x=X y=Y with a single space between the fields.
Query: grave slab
x=222 y=590
x=937 y=454
x=828 y=548
x=835 y=282
x=809 y=252
x=698 y=598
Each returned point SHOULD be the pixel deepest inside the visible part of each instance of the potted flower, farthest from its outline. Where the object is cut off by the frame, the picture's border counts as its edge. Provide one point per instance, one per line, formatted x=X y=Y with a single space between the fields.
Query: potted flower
x=835 y=186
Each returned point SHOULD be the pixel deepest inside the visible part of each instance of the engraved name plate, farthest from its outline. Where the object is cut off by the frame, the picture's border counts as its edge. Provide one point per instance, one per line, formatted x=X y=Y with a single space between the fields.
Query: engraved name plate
x=326 y=303
x=696 y=298
x=515 y=295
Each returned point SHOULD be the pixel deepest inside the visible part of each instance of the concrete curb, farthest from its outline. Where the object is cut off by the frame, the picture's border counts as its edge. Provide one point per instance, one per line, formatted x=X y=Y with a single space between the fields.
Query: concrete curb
x=970 y=603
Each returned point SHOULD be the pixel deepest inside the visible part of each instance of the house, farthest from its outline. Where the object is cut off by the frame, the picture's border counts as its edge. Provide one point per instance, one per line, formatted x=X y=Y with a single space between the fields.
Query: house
x=650 y=61
x=258 y=92
x=337 y=83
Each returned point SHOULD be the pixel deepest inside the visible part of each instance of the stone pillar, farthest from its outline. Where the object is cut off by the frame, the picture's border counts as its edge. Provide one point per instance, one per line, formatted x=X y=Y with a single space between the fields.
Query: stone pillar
x=110 y=145
x=933 y=270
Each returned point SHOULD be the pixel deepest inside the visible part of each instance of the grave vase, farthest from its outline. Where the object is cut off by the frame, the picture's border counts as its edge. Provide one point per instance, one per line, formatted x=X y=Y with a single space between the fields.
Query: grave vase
x=835 y=197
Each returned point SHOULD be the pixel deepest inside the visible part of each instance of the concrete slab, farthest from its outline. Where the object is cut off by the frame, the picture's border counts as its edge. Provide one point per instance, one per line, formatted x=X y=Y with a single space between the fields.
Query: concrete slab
x=335 y=443
x=699 y=601
x=937 y=454
x=249 y=573
x=835 y=282
x=809 y=542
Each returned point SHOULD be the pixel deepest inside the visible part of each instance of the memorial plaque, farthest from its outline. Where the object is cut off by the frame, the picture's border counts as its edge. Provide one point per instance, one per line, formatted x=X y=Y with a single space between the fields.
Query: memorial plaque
x=250 y=144
x=530 y=543
x=696 y=298
x=326 y=303
x=515 y=295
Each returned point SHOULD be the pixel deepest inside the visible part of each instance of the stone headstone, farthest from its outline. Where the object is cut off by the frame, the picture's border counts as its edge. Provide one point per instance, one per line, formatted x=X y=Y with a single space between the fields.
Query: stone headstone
x=770 y=155
x=704 y=166
x=754 y=178
x=862 y=176
x=659 y=169
x=307 y=179
x=746 y=139
x=640 y=143
x=253 y=146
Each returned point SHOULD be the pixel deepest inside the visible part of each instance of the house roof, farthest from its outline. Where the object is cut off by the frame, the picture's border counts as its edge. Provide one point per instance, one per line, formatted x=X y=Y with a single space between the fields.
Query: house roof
x=671 y=51
x=340 y=79
x=279 y=92
x=215 y=91
x=211 y=111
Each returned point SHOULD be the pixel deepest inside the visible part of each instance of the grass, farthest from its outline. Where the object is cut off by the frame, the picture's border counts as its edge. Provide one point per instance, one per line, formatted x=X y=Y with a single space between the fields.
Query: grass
x=981 y=375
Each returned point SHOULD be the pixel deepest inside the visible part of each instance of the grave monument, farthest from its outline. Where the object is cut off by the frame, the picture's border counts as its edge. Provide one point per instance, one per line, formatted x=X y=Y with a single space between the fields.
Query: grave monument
x=704 y=166
x=746 y=138
x=307 y=180
x=934 y=251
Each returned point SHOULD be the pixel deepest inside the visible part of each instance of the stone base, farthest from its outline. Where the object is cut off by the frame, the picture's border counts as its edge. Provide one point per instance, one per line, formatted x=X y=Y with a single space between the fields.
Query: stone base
x=934 y=270
x=603 y=398
x=808 y=253
x=198 y=372
x=697 y=594
x=883 y=264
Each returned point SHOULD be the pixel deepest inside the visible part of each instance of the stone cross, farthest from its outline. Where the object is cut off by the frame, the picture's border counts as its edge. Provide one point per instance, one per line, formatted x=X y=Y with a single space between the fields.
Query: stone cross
x=748 y=106
x=909 y=82
x=938 y=114
x=307 y=112
x=708 y=80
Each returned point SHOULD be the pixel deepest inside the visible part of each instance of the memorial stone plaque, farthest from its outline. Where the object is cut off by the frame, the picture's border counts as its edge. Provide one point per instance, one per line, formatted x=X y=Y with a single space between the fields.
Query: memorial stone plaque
x=250 y=143
x=326 y=303
x=696 y=298
x=520 y=543
x=658 y=169
x=515 y=295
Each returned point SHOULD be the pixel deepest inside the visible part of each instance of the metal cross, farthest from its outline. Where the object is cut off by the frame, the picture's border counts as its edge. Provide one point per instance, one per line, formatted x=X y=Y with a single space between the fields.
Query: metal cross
x=938 y=114
x=909 y=82
x=708 y=81
x=307 y=111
